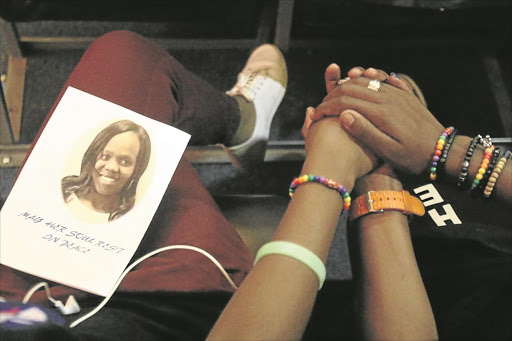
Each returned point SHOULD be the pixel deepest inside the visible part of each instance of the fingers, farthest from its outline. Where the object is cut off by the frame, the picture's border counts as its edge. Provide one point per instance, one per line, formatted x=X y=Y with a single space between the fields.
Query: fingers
x=357 y=88
x=376 y=74
x=399 y=83
x=380 y=75
x=366 y=133
x=371 y=73
x=335 y=105
x=356 y=72
x=332 y=75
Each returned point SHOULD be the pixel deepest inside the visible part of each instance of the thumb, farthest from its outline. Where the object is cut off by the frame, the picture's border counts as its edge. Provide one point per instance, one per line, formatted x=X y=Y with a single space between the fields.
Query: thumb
x=332 y=76
x=366 y=133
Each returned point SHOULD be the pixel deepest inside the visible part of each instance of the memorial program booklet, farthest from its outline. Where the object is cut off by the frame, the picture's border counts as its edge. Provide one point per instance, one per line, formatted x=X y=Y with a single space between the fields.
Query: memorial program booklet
x=88 y=192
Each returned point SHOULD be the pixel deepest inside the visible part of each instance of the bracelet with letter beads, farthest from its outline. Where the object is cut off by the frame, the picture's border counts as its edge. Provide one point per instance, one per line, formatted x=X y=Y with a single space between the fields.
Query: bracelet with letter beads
x=329 y=183
x=438 y=151
x=491 y=183
x=467 y=160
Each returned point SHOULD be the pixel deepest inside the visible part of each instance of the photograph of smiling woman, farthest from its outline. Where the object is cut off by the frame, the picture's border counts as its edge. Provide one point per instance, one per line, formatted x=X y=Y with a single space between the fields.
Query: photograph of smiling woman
x=110 y=170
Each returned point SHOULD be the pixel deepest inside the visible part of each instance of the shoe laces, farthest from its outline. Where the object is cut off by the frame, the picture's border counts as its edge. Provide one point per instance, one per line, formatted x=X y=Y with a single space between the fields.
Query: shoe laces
x=248 y=84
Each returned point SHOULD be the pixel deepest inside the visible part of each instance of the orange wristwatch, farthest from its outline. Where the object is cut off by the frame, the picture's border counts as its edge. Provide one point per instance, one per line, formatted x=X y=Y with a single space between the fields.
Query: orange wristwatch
x=380 y=201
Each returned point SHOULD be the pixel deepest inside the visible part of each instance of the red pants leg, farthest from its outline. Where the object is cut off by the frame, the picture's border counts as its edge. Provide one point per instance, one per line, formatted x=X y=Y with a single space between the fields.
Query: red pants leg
x=129 y=70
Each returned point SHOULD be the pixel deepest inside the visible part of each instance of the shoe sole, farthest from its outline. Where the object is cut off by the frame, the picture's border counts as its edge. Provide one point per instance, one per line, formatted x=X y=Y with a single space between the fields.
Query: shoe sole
x=248 y=156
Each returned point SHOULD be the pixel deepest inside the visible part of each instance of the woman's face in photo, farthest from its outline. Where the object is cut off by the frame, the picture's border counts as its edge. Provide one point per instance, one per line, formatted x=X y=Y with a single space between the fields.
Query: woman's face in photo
x=115 y=165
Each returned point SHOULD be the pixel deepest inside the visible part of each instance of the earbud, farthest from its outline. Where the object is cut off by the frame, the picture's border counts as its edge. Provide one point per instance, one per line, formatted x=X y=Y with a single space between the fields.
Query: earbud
x=71 y=306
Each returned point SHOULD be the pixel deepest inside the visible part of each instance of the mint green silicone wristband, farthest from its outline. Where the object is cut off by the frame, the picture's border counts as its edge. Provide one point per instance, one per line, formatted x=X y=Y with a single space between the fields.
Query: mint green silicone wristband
x=296 y=251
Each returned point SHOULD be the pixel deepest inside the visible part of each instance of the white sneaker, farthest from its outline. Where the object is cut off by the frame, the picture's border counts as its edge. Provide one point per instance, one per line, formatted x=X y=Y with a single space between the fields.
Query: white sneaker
x=262 y=82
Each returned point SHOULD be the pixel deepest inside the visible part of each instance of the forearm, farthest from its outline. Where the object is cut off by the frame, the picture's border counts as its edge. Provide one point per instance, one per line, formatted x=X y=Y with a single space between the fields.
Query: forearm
x=276 y=299
x=392 y=298
x=393 y=302
x=317 y=206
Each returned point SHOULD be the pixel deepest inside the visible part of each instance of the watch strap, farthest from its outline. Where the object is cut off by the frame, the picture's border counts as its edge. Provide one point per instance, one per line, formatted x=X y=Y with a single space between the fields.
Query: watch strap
x=380 y=201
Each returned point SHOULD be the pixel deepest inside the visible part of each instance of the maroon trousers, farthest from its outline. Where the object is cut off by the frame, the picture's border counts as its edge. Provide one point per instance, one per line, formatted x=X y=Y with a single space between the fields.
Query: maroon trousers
x=131 y=71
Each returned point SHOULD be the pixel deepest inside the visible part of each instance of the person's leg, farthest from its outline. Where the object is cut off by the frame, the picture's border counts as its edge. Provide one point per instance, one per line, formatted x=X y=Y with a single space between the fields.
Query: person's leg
x=134 y=72
x=131 y=71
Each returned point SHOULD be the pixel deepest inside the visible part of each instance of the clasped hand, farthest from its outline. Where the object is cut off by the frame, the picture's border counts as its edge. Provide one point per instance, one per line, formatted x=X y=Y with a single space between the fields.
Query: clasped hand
x=391 y=123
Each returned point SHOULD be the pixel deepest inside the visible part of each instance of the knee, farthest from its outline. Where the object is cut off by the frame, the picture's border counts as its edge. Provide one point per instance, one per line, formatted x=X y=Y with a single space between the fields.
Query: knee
x=116 y=39
x=119 y=42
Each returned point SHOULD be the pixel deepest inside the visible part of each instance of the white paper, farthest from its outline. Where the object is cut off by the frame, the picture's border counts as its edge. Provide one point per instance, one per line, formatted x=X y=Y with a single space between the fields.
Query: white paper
x=40 y=235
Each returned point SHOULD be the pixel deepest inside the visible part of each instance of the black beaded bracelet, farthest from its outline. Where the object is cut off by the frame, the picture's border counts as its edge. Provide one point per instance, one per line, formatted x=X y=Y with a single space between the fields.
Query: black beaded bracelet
x=467 y=160
x=446 y=150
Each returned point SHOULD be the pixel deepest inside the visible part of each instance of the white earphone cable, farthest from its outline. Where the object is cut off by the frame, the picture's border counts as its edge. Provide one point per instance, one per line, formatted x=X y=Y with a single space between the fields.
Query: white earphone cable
x=35 y=288
x=172 y=247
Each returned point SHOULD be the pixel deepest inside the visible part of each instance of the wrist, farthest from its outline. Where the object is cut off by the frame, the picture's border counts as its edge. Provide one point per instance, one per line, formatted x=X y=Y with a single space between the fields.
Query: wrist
x=456 y=158
x=333 y=154
x=381 y=192
x=376 y=182
x=343 y=174
x=377 y=220
x=382 y=201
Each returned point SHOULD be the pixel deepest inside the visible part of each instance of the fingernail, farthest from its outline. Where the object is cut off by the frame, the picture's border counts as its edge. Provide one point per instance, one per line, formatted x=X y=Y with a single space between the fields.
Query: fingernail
x=394 y=75
x=347 y=119
x=310 y=111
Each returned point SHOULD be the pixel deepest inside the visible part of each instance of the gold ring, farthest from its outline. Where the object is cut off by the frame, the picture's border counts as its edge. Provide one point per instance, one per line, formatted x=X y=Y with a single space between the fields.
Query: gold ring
x=374 y=85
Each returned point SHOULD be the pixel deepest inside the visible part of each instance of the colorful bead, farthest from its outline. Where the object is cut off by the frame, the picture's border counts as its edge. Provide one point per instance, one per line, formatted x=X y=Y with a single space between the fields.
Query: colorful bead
x=483 y=166
x=444 y=140
x=329 y=183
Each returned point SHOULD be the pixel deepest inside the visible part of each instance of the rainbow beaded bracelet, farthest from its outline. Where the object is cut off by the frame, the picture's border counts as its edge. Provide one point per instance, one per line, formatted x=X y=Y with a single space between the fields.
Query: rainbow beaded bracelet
x=483 y=167
x=444 y=155
x=329 y=183
x=438 y=152
x=490 y=168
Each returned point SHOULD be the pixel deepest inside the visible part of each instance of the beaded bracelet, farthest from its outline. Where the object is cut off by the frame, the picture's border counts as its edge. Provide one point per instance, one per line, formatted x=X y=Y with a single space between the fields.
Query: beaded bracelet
x=297 y=252
x=446 y=150
x=483 y=167
x=495 y=174
x=490 y=168
x=326 y=182
x=438 y=151
x=467 y=160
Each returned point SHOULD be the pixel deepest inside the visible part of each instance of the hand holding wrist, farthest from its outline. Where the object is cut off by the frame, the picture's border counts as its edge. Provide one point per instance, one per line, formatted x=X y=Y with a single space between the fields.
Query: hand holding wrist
x=332 y=153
